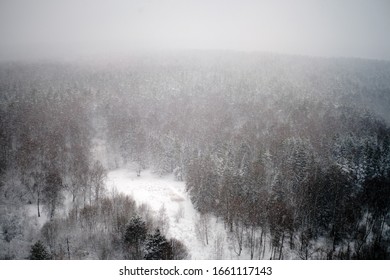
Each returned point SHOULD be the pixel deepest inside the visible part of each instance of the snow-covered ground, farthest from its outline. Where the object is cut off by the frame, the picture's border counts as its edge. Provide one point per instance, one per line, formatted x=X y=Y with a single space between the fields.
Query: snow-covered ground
x=32 y=213
x=158 y=191
x=164 y=191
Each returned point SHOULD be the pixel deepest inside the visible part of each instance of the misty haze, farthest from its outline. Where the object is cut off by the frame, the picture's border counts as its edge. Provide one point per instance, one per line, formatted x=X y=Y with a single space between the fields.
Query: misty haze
x=194 y=129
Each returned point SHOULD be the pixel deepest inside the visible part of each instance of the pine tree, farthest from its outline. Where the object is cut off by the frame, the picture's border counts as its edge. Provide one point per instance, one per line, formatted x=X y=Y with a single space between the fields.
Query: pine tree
x=158 y=248
x=38 y=252
x=135 y=236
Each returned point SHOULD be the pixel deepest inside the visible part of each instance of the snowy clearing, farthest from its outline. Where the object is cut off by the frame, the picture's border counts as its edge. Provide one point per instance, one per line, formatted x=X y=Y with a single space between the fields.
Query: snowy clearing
x=158 y=191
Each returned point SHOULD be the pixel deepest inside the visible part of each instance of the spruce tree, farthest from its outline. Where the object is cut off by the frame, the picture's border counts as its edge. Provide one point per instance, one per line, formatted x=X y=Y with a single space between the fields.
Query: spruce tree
x=158 y=248
x=38 y=252
x=135 y=236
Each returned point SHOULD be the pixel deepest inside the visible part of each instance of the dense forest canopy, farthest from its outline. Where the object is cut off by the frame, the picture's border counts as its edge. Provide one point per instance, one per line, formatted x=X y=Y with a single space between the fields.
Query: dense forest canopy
x=297 y=148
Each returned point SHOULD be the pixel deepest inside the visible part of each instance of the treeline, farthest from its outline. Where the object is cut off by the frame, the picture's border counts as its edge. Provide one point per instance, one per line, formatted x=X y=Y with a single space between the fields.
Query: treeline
x=46 y=139
x=292 y=151
x=322 y=193
x=46 y=145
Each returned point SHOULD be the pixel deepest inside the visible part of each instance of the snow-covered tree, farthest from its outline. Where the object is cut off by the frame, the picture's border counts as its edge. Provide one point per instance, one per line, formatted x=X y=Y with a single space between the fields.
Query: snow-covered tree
x=38 y=252
x=135 y=237
x=157 y=247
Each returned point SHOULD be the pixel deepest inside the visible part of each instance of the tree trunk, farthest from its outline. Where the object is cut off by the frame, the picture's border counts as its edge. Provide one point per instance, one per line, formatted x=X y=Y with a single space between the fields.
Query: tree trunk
x=281 y=247
x=252 y=242
x=39 y=212
x=261 y=243
x=67 y=245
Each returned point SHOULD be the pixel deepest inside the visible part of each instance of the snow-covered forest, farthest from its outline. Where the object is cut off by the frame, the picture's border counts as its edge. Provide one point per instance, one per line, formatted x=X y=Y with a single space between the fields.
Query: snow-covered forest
x=196 y=154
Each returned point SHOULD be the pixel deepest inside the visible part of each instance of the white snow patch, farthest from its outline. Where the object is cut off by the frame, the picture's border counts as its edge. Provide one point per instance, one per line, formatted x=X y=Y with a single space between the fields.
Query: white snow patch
x=158 y=191
x=32 y=213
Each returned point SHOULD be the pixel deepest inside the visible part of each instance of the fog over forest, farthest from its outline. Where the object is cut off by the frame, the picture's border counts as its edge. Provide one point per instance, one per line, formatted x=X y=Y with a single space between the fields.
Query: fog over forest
x=46 y=29
x=194 y=130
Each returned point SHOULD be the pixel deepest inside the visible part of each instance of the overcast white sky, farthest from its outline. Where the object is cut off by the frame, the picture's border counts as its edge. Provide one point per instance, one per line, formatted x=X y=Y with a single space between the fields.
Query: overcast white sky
x=39 y=28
